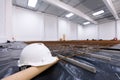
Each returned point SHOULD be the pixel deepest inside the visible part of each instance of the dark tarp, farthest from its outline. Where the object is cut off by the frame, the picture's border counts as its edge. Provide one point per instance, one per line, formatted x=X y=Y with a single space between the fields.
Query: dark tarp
x=62 y=70
x=9 y=54
x=66 y=71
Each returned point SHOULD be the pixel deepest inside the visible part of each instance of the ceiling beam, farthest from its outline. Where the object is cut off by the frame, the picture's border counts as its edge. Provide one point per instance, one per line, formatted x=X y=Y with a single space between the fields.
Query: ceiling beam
x=70 y=9
x=111 y=8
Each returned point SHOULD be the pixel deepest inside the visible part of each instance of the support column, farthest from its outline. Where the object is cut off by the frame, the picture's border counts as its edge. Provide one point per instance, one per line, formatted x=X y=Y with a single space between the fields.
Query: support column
x=116 y=29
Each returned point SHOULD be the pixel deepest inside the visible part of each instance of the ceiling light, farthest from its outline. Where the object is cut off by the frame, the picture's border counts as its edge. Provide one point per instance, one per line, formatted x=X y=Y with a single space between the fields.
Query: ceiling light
x=69 y=15
x=32 y=3
x=98 y=13
x=86 y=23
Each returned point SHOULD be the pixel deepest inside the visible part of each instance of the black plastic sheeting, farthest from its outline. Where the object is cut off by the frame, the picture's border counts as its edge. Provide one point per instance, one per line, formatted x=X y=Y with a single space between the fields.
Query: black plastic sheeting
x=62 y=70
x=110 y=49
x=9 y=55
x=66 y=71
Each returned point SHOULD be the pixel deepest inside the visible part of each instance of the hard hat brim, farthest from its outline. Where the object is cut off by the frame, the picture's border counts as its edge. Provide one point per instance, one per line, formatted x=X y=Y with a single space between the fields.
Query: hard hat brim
x=39 y=63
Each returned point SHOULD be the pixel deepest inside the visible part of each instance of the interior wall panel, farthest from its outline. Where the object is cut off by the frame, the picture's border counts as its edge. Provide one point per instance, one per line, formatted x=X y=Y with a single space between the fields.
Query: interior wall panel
x=28 y=25
x=8 y=19
x=62 y=29
x=73 y=33
x=81 y=33
x=67 y=28
x=51 y=29
x=2 y=21
x=87 y=32
x=90 y=32
x=107 y=31
x=118 y=29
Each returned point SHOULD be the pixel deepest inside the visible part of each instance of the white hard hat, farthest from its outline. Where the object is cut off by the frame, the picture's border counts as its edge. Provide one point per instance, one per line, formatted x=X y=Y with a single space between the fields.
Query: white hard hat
x=36 y=54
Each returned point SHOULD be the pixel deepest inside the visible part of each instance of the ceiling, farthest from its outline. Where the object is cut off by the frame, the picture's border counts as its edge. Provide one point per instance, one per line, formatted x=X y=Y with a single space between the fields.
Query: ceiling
x=88 y=7
x=117 y=6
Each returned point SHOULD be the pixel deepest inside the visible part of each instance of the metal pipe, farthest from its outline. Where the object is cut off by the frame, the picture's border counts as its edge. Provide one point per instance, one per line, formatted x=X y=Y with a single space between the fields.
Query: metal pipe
x=77 y=63
x=99 y=56
x=95 y=56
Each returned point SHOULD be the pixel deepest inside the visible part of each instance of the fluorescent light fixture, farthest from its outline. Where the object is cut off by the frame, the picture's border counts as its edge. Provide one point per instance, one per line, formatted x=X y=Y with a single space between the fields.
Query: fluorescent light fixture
x=69 y=15
x=86 y=23
x=98 y=13
x=32 y=3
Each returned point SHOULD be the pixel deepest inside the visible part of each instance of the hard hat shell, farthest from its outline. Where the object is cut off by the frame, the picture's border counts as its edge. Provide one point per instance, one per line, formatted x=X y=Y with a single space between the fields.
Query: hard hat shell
x=36 y=54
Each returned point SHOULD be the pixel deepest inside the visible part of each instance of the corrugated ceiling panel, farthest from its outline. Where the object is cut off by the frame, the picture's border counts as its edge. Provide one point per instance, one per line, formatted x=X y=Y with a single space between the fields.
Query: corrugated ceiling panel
x=75 y=2
x=22 y=3
x=54 y=10
x=43 y=6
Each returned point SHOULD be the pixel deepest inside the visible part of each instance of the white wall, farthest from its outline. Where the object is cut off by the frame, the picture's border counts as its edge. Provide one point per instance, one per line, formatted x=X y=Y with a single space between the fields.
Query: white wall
x=107 y=31
x=28 y=25
x=2 y=21
x=91 y=32
x=51 y=27
x=88 y=32
x=72 y=31
x=81 y=33
x=32 y=26
x=2 y=17
x=5 y=20
x=62 y=28
x=118 y=29
x=68 y=29
x=8 y=19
